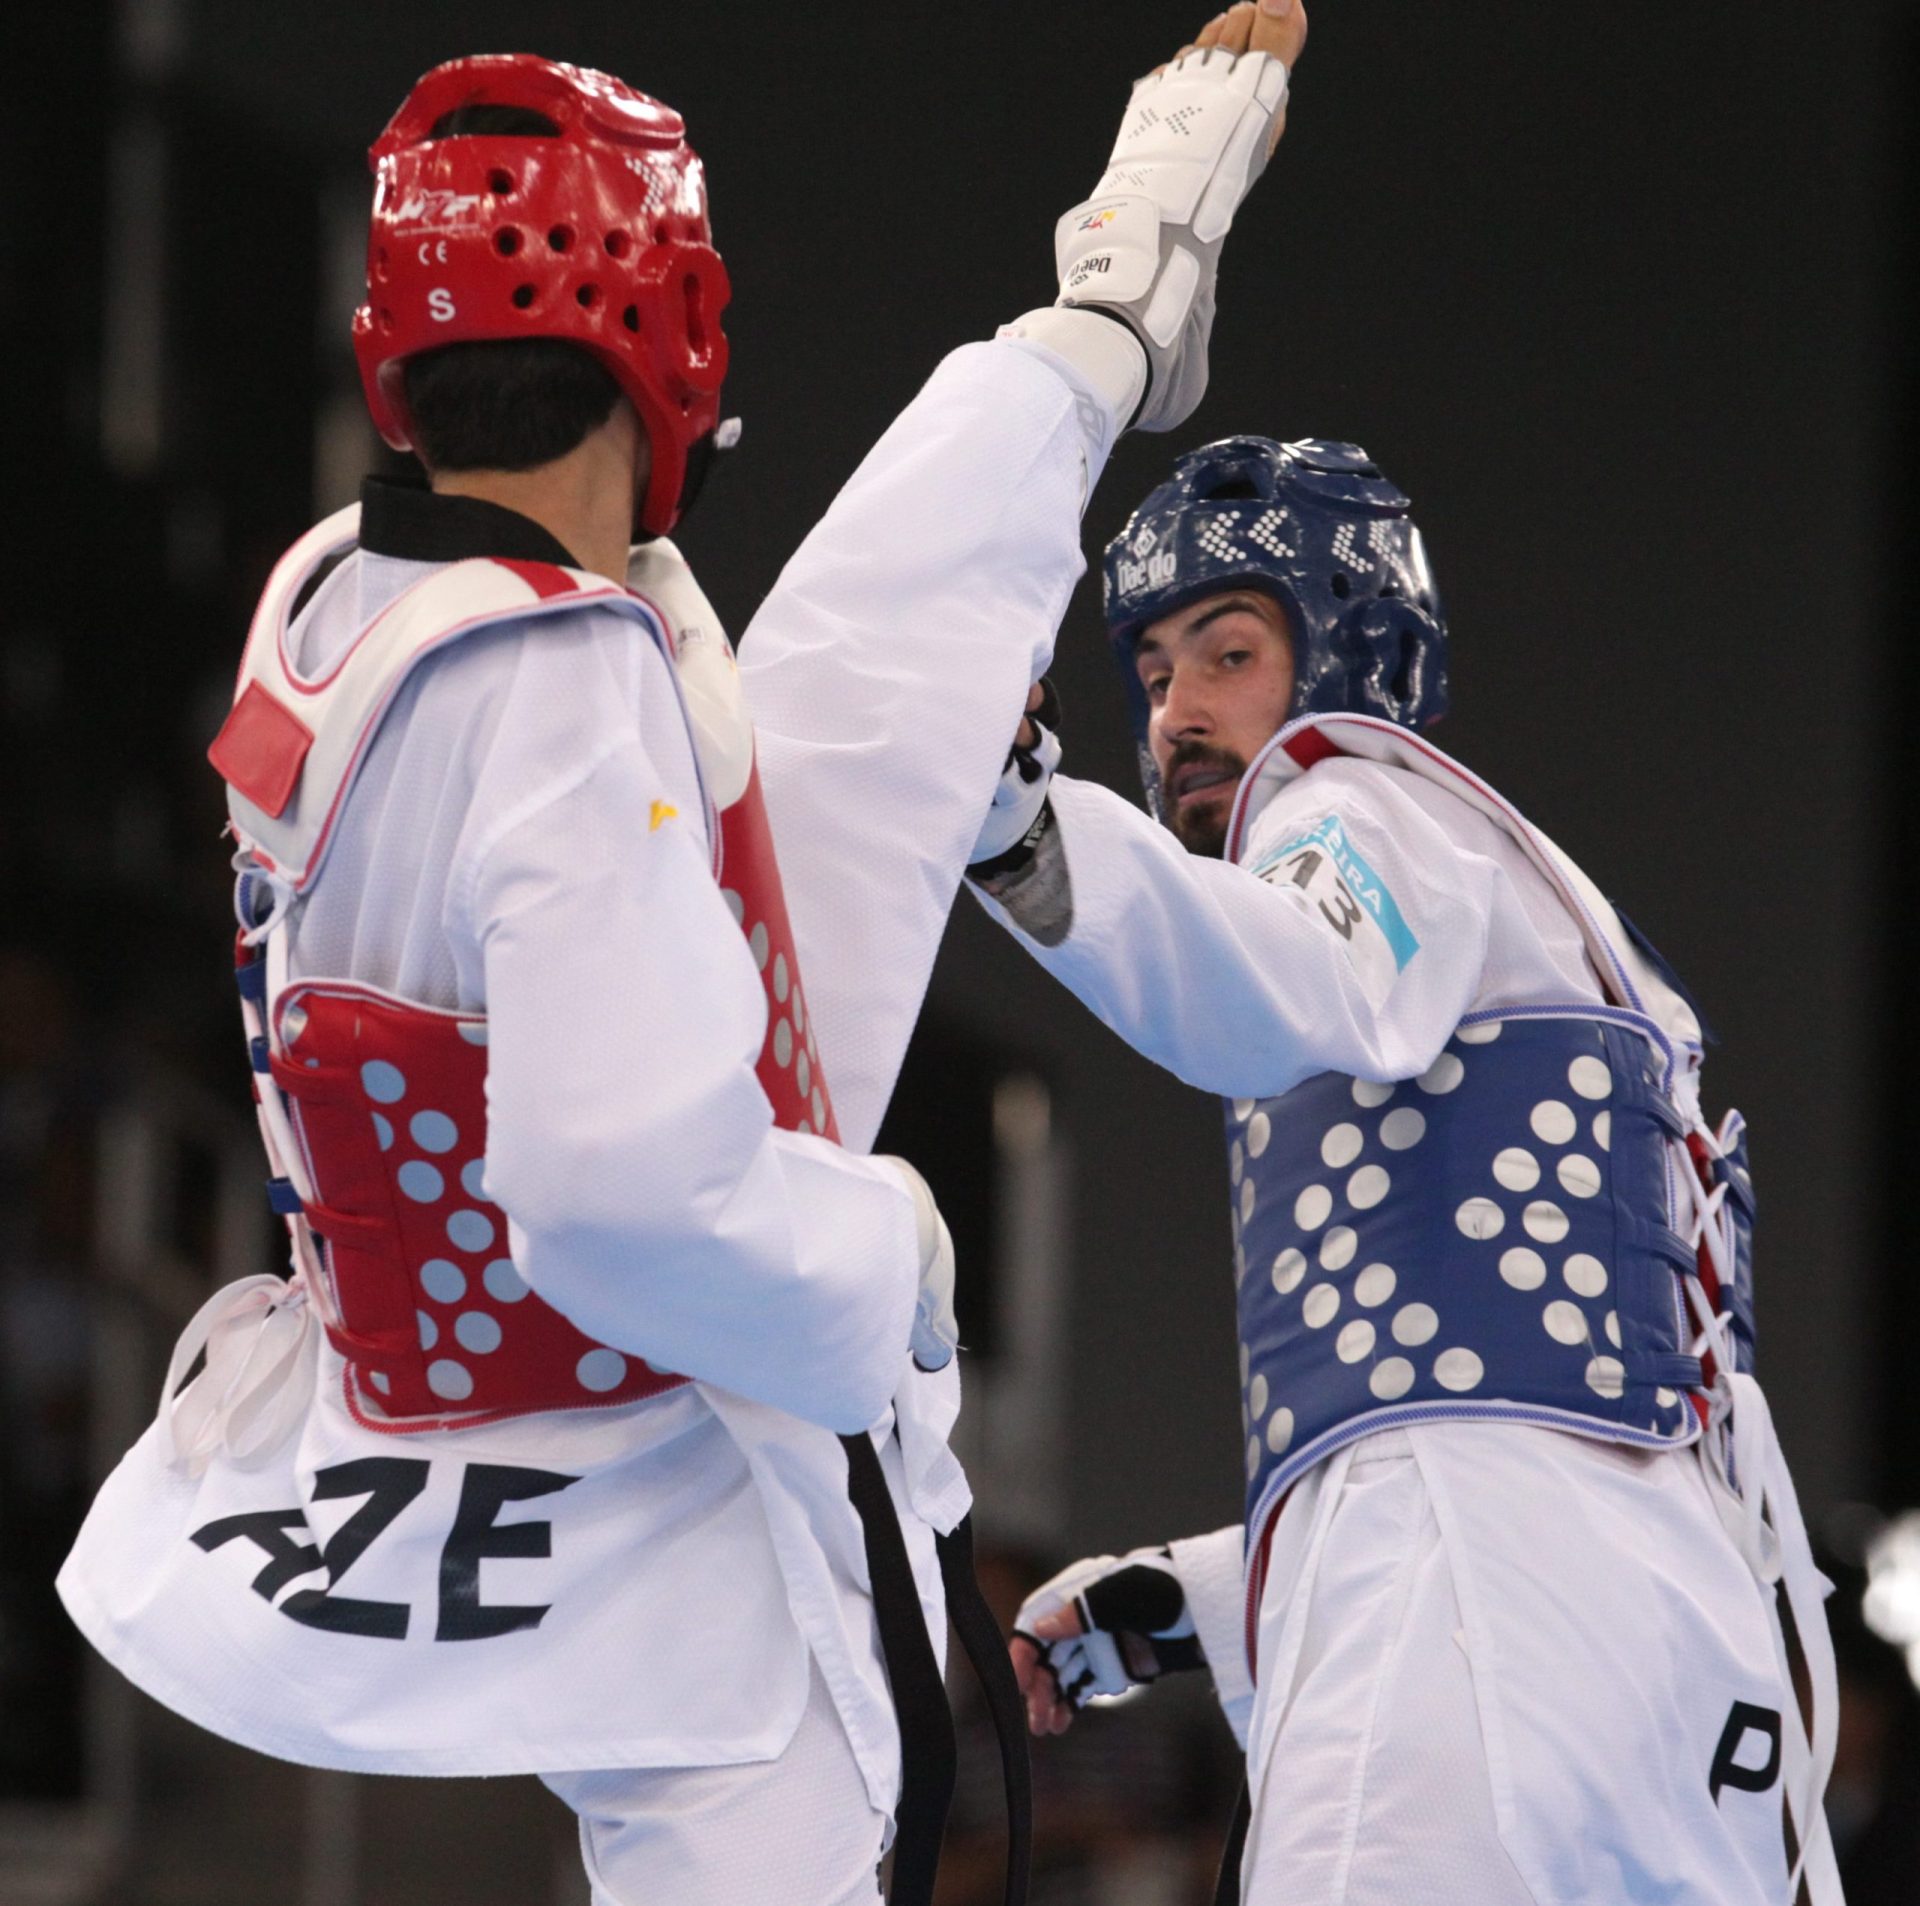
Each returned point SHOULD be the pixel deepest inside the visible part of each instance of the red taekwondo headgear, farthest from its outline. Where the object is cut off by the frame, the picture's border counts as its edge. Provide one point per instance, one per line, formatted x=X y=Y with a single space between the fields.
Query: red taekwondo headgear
x=596 y=235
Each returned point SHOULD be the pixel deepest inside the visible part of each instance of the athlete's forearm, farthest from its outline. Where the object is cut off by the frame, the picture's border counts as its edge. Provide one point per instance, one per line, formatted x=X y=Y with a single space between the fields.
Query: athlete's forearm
x=1235 y=983
x=630 y=1143
x=886 y=674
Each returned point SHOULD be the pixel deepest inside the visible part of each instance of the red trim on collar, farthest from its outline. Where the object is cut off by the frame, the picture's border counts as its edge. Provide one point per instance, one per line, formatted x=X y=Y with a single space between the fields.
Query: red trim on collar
x=1304 y=750
x=1309 y=747
x=544 y=579
x=260 y=750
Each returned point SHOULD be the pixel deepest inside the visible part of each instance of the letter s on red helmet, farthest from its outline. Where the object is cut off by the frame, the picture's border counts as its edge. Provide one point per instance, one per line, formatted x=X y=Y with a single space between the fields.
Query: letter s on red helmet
x=596 y=235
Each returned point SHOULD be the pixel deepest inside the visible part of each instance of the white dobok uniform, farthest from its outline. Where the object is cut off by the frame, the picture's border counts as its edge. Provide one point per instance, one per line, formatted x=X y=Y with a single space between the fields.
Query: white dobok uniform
x=1495 y=1662
x=525 y=839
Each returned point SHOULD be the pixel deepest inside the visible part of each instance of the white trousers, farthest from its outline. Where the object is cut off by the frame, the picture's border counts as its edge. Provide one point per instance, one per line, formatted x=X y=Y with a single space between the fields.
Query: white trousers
x=797 y=1830
x=1508 y=1667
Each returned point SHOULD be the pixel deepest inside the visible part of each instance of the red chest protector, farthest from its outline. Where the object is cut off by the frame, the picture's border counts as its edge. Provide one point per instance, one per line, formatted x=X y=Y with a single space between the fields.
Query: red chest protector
x=374 y=1107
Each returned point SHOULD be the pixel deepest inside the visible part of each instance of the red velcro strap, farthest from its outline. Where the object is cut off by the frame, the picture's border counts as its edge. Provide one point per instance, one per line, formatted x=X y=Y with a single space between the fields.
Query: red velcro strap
x=260 y=750
x=324 y=1085
x=544 y=579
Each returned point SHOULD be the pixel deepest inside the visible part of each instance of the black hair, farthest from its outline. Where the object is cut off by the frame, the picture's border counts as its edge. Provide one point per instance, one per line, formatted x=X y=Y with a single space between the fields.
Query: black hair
x=505 y=403
x=508 y=403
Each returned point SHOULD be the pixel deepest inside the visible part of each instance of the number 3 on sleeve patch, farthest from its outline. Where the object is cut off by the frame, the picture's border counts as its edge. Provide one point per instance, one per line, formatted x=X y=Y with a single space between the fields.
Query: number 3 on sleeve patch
x=1343 y=891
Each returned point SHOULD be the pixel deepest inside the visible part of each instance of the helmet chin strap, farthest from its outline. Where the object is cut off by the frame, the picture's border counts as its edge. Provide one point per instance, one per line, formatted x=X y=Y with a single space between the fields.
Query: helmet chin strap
x=702 y=455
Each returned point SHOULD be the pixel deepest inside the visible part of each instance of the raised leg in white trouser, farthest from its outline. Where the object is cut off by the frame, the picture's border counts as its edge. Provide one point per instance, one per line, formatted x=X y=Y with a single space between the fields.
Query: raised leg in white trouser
x=795 y=1831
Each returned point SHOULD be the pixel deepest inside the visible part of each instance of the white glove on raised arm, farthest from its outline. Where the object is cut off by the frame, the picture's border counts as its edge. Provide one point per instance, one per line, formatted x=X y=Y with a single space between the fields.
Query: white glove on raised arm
x=1020 y=795
x=1146 y=245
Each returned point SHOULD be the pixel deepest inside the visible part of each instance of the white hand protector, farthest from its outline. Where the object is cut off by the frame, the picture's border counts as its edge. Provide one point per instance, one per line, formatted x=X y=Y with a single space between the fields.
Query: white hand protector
x=1136 y=1621
x=1022 y=789
x=1146 y=245
x=936 y=1330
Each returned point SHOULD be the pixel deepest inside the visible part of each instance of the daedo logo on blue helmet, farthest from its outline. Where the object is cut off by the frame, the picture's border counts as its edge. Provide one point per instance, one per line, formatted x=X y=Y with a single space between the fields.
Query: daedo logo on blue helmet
x=1315 y=525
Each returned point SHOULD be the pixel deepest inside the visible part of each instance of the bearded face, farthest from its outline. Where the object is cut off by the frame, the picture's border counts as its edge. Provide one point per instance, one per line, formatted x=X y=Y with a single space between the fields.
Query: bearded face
x=1218 y=678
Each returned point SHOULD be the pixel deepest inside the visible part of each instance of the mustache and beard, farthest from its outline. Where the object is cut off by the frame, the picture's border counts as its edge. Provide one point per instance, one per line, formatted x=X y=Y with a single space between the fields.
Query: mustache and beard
x=1202 y=828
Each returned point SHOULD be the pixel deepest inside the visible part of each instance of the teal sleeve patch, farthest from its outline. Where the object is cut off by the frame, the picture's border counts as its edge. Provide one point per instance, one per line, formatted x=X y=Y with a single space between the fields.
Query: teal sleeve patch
x=1349 y=896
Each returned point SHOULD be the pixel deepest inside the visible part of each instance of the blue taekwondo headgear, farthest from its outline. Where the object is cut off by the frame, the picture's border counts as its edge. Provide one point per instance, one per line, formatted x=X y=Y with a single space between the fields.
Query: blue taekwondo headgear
x=1315 y=525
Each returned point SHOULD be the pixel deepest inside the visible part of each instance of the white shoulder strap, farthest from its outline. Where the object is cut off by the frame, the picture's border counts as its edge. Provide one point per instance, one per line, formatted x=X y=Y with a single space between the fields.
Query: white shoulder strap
x=292 y=745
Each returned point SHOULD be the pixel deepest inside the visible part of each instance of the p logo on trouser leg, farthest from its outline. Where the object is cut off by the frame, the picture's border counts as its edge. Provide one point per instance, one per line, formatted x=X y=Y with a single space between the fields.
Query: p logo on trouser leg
x=1728 y=1769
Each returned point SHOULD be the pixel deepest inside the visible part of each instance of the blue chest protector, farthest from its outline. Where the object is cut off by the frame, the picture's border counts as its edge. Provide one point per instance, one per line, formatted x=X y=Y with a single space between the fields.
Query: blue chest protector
x=1495 y=1240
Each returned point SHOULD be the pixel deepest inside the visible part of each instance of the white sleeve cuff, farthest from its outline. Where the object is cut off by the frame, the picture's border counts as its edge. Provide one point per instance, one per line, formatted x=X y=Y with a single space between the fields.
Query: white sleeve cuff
x=1213 y=1575
x=1100 y=360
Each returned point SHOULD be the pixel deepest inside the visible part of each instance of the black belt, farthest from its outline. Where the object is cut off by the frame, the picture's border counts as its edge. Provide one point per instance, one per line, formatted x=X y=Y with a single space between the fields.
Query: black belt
x=928 y=1755
x=1226 y=1888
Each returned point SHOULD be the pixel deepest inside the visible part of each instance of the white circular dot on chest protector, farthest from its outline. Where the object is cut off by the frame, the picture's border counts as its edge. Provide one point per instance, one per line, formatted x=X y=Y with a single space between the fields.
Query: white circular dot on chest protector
x=1516 y=1169
x=1313 y=1207
x=1355 y=1341
x=1341 y=1146
x=1368 y=1187
x=1337 y=1248
x=1403 y=1128
x=1579 y=1176
x=1392 y=1378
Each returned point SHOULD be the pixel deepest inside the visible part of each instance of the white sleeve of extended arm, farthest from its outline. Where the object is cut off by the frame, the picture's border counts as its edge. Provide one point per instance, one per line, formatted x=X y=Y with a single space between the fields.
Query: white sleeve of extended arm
x=1244 y=985
x=886 y=674
x=649 y=1196
x=1212 y=1574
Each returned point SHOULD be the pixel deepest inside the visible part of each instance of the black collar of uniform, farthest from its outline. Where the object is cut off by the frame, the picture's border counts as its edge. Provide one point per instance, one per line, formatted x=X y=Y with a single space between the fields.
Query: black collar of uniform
x=414 y=523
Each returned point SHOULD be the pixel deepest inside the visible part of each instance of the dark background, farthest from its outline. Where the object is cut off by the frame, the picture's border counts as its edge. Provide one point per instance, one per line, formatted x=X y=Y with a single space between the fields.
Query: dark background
x=1614 y=293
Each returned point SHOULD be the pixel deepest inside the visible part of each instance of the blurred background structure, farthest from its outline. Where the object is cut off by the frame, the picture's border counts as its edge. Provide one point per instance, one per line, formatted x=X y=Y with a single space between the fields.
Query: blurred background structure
x=1616 y=294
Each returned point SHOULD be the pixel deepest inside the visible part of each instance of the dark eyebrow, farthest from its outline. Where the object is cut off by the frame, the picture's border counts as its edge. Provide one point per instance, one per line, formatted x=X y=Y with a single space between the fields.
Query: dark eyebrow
x=1228 y=607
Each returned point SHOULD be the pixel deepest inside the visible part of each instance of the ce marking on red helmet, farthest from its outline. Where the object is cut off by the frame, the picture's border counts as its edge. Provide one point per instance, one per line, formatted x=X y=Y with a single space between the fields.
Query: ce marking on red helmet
x=432 y=253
